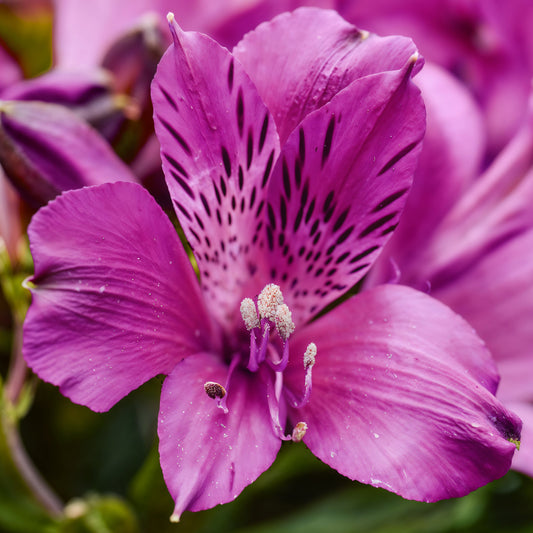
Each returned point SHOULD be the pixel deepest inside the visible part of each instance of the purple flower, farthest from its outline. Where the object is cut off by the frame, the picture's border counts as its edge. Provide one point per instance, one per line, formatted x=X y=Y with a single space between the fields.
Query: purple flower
x=288 y=163
x=474 y=251
x=485 y=43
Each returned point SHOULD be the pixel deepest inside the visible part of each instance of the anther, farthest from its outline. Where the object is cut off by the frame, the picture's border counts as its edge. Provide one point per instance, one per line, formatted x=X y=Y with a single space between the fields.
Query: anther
x=283 y=321
x=310 y=356
x=268 y=301
x=214 y=390
x=299 y=431
x=249 y=314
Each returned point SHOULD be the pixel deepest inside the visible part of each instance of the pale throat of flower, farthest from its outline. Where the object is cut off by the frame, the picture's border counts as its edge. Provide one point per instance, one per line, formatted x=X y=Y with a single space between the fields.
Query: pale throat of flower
x=270 y=315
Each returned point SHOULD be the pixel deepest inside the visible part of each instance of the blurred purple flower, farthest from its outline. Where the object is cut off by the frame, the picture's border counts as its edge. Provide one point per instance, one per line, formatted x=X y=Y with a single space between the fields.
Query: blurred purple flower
x=473 y=251
x=288 y=163
x=485 y=43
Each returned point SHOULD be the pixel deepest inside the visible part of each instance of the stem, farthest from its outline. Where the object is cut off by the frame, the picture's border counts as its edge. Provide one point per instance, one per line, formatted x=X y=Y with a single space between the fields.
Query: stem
x=33 y=479
x=17 y=371
x=42 y=492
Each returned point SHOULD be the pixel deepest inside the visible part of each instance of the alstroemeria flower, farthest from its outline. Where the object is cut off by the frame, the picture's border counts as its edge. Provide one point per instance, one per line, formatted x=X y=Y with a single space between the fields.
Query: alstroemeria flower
x=475 y=252
x=288 y=163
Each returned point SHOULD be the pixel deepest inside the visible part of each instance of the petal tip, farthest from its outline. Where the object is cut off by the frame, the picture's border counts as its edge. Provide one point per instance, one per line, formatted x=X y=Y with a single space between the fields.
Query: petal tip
x=175 y=517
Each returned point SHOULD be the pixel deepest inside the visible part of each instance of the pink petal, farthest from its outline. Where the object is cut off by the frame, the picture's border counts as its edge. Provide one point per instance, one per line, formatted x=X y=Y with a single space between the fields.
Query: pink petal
x=314 y=54
x=402 y=397
x=9 y=70
x=496 y=208
x=496 y=296
x=115 y=299
x=218 y=145
x=49 y=149
x=449 y=163
x=338 y=190
x=523 y=458
x=208 y=457
x=83 y=31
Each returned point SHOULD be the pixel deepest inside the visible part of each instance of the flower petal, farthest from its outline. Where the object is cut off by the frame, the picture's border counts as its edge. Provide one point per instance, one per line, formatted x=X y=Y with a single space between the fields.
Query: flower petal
x=46 y=149
x=449 y=162
x=300 y=60
x=62 y=87
x=495 y=295
x=523 y=458
x=208 y=457
x=402 y=397
x=496 y=208
x=339 y=188
x=115 y=299
x=218 y=145
x=9 y=70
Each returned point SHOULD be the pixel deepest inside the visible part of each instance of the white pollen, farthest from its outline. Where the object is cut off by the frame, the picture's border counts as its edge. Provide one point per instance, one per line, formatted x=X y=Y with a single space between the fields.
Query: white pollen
x=268 y=301
x=249 y=314
x=310 y=355
x=299 y=431
x=283 y=320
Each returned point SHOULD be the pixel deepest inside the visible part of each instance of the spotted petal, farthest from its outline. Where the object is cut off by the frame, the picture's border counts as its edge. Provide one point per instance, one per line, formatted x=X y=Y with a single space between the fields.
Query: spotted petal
x=300 y=60
x=115 y=299
x=218 y=146
x=402 y=397
x=207 y=456
x=339 y=187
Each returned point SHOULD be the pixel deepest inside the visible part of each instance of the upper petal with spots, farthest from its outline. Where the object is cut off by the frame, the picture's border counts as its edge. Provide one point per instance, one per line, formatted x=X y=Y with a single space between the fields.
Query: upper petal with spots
x=218 y=146
x=339 y=187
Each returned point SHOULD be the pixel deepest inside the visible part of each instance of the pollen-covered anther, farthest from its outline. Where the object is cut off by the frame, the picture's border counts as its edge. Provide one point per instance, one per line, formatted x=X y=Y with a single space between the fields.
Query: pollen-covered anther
x=299 y=431
x=214 y=390
x=283 y=321
x=310 y=355
x=249 y=314
x=268 y=301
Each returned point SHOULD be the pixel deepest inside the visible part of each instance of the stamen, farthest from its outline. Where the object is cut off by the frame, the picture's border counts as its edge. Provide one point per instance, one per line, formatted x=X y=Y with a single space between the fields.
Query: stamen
x=273 y=399
x=309 y=362
x=310 y=356
x=268 y=301
x=299 y=431
x=283 y=321
x=214 y=390
x=249 y=314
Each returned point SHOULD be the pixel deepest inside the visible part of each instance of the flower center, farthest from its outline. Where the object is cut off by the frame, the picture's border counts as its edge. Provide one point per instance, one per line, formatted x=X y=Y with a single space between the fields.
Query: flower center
x=269 y=323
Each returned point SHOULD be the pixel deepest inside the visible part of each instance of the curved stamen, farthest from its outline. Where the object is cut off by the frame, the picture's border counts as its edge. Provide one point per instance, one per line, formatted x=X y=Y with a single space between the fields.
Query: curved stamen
x=309 y=362
x=299 y=431
x=273 y=398
x=279 y=366
x=219 y=393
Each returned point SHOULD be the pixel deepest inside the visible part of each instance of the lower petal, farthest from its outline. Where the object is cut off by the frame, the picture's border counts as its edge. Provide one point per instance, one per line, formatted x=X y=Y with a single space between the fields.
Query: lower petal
x=523 y=458
x=207 y=456
x=115 y=300
x=401 y=397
